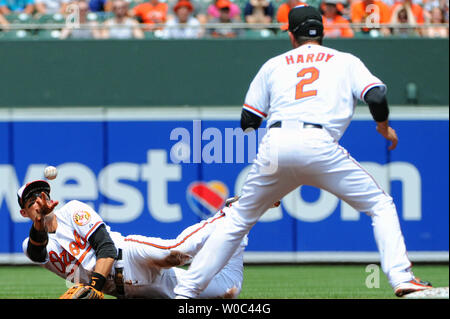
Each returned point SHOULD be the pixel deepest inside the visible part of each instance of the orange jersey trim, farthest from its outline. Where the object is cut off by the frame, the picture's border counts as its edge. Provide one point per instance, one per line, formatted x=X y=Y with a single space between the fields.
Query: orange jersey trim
x=369 y=86
x=177 y=244
x=80 y=260
x=93 y=228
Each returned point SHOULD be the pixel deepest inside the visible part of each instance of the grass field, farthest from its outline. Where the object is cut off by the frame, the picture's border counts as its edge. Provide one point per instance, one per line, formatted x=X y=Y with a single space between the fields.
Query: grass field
x=260 y=282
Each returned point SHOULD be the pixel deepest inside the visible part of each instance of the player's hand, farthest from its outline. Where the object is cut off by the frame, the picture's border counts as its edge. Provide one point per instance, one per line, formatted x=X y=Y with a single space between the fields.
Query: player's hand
x=45 y=206
x=388 y=133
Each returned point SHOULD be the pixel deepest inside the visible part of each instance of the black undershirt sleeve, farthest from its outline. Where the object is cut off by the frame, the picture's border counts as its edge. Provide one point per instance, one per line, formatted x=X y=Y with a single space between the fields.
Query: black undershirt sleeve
x=102 y=243
x=37 y=253
x=378 y=105
x=248 y=119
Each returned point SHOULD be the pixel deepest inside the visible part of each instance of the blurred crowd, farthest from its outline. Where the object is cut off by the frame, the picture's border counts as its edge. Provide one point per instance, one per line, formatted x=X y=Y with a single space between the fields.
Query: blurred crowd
x=225 y=18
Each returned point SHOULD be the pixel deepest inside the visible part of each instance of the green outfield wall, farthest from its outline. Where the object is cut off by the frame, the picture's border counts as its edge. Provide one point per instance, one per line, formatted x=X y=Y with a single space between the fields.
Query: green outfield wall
x=200 y=72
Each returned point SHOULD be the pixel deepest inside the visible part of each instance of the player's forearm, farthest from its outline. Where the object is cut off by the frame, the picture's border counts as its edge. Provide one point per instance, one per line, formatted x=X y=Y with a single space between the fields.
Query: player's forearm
x=105 y=252
x=383 y=125
x=101 y=271
x=388 y=133
x=104 y=266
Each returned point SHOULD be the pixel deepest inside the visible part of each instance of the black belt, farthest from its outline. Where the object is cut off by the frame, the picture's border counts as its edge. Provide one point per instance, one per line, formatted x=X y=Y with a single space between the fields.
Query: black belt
x=118 y=277
x=305 y=125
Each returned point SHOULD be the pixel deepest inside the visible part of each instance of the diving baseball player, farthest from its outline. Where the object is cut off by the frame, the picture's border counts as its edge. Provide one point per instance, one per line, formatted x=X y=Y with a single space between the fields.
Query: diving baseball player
x=75 y=243
x=308 y=96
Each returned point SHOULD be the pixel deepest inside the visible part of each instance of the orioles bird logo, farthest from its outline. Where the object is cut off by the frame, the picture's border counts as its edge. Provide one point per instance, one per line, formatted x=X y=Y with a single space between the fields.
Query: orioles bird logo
x=81 y=218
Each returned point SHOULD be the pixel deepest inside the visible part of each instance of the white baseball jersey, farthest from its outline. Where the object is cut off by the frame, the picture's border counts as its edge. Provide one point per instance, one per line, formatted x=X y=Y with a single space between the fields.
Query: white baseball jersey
x=311 y=83
x=68 y=249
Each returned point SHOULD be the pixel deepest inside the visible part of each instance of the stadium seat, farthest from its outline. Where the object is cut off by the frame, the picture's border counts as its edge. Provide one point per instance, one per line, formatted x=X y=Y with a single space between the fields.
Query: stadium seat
x=103 y=16
x=132 y=4
x=16 y=35
x=259 y=34
x=92 y=16
x=43 y=18
x=50 y=18
x=149 y=35
x=282 y=34
x=49 y=34
x=19 y=18
x=313 y=3
x=157 y=34
x=240 y=3
x=361 y=35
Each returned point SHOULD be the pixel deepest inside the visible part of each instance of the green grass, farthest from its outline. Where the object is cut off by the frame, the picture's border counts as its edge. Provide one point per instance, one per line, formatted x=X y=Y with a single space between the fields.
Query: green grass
x=326 y=281
x=260 y=282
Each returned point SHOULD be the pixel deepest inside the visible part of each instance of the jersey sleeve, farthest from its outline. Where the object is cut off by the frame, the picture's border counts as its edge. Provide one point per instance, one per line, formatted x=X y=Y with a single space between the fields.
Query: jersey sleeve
x=362 y=79
x=84 y=219
x=257 y=98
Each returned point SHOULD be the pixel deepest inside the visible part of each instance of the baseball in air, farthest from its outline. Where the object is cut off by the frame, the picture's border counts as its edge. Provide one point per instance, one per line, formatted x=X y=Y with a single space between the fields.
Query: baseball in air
x=50 y=172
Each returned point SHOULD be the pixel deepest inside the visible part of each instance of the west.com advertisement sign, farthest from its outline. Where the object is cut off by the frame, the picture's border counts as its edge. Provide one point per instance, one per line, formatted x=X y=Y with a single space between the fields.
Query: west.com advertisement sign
x=152 y=175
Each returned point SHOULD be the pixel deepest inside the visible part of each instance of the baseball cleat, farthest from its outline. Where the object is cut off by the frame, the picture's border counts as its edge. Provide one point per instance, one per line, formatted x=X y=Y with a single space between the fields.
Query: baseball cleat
x=411 y=286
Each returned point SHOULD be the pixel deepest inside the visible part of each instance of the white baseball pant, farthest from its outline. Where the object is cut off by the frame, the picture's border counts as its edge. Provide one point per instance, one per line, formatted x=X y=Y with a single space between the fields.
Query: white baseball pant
x=143 y=279
x=288 y=157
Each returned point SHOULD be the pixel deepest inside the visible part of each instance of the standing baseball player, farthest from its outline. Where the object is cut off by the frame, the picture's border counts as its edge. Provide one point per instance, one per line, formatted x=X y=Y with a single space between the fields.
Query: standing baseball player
x=76 y=244
x=308 y=96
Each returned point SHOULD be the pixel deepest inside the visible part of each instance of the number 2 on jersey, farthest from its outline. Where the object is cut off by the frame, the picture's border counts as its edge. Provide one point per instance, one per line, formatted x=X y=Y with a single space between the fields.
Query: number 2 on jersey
x=300 y=93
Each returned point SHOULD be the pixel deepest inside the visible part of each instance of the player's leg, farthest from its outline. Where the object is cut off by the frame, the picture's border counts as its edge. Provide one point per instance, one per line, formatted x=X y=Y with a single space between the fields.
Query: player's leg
x=213 y=257
x=224 y=285
x=227 y=283
x=155 y=251
x=268 y=181
x=349 y=181
x=192 y=239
